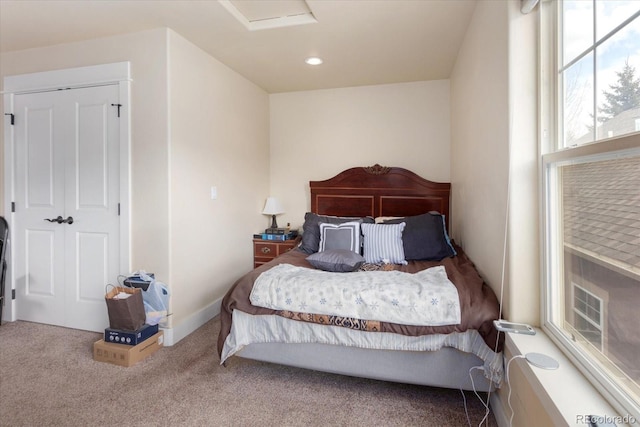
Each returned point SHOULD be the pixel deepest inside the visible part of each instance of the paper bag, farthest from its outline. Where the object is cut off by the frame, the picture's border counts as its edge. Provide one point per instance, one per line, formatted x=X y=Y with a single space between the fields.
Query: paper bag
x=125 y=308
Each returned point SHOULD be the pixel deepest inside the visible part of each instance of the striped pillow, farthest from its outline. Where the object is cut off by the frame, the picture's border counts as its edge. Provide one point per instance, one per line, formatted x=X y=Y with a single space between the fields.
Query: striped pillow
x=383 y=243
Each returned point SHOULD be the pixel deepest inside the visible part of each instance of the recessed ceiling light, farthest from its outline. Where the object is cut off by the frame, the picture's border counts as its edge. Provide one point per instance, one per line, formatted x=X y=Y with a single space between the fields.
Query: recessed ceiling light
x=314 y=60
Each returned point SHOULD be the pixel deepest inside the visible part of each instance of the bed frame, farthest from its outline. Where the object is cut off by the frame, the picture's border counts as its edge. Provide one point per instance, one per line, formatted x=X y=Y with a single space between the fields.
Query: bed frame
x=379 y=191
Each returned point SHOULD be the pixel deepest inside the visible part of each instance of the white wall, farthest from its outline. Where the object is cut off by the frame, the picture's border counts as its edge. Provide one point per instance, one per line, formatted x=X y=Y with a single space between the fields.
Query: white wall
x=147 y=52
x=195 y=124
x=480 y=140
x=494 y=135
x=219 y=137
x=494 y=125
x=317 y=134
x=458 y=134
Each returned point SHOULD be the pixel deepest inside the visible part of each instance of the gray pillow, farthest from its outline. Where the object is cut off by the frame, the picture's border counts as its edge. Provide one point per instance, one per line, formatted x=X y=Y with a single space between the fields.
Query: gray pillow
x=340 y=236
x=311 y=229
x=336 y=260
x=425 y=237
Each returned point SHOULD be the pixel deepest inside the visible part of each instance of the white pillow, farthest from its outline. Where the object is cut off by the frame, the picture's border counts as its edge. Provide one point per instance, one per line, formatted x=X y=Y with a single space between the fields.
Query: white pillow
x=340 y=236
x=383 y=243
x=381 y=219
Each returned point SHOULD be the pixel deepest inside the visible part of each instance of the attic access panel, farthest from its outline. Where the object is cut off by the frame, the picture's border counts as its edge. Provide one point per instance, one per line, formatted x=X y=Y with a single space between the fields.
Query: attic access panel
x=266 y=14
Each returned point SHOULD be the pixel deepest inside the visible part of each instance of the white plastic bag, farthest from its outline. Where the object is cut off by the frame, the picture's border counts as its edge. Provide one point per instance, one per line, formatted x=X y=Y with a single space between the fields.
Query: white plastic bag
x=155 y=299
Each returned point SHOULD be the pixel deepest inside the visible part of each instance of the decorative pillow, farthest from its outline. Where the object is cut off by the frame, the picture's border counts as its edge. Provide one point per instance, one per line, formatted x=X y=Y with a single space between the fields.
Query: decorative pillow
x=340 y=236
x=311 y=229
x=336 y=260
x=383 y=243
x=425 y=237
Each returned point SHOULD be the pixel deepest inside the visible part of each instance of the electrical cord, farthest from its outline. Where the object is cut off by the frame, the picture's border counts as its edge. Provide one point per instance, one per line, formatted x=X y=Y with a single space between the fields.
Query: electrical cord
x=464 y=399
x=485 y=404
x=520 y=356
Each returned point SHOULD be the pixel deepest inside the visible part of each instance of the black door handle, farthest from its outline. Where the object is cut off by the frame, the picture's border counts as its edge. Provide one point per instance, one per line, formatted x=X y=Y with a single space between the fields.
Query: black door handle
x=60 y=220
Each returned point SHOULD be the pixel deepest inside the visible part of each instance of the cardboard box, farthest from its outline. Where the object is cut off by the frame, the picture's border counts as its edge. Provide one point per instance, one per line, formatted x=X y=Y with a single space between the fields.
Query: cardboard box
x=118 y=336
x=126 y=355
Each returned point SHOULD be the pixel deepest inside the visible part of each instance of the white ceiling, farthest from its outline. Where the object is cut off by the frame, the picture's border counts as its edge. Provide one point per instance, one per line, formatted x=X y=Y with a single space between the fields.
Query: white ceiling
x=362 y=42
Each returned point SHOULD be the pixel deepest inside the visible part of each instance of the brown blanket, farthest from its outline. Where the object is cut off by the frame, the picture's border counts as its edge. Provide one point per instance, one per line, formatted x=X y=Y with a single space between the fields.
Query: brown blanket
x=478 y=302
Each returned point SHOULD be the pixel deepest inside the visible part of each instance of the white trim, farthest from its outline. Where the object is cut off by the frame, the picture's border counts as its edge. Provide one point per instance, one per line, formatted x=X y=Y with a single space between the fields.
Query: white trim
x=9 y=309
x=621 y=146
x=125 y=175
x=498 y=409
x=169 y=228
x=193 y=322
x=94 y=75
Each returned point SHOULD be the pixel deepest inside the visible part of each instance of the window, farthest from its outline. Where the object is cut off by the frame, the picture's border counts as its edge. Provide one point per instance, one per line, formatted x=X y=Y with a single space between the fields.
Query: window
x=591 y=190
x=587 y=319
x=599 y=73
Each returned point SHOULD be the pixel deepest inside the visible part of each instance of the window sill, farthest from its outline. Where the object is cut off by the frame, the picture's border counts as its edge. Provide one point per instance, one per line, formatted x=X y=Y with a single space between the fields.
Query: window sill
x=565 y=393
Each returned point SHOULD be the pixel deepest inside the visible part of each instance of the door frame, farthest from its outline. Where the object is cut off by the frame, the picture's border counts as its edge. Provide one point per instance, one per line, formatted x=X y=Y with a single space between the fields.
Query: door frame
x=118 y=73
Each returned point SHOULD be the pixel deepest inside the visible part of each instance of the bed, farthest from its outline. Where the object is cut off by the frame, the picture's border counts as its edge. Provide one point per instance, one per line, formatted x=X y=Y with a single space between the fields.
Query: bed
x=461 y=352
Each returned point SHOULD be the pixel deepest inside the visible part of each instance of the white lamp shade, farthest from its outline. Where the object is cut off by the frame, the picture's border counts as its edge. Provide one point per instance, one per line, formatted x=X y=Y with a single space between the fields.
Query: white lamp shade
x=273 y=207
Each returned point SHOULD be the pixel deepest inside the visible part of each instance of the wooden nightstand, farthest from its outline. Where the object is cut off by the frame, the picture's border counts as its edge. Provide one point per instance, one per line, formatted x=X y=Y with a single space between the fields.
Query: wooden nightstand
x=266 y=250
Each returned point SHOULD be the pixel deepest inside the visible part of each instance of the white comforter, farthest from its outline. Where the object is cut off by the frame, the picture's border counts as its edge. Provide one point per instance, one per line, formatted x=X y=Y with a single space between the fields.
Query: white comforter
x=426 y=298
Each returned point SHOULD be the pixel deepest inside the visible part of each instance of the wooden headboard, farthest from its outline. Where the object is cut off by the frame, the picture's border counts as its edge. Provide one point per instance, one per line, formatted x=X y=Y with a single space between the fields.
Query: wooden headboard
x=379 y=191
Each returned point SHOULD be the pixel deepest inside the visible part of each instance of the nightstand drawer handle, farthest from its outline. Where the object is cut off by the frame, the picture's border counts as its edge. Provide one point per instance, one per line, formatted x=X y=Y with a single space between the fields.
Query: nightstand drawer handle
x=265 y=250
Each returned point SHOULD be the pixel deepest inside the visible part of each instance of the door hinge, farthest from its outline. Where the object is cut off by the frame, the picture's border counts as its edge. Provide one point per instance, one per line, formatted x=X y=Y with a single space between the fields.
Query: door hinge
x=117 y=105
x=13 y=118
x=13 y=294
x=13 y=206
x=118 y=209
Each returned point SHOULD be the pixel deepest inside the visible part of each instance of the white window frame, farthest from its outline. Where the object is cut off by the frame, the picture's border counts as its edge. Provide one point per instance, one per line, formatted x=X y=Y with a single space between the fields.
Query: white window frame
x=552 y=247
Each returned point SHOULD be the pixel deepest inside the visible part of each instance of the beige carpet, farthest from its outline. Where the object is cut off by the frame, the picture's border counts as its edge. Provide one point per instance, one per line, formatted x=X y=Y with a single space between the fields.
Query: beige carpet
x=48 y=378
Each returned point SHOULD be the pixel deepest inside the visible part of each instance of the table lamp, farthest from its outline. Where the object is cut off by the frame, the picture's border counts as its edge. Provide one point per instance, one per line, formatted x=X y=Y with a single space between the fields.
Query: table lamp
x=273 y=207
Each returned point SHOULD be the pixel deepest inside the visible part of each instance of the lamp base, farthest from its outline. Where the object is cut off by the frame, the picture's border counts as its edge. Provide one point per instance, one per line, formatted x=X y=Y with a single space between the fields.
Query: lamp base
x=274 y=224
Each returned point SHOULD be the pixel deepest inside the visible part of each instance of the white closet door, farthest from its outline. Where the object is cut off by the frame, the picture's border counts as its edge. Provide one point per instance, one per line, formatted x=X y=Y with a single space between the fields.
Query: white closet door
x=67 y=165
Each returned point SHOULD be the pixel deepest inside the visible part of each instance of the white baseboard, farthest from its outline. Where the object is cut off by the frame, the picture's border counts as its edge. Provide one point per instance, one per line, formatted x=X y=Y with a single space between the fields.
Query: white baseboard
x=190 y=324
x=498 y=410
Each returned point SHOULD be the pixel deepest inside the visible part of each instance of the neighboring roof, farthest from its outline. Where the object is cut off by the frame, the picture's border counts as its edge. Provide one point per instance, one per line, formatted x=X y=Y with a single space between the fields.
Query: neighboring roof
x=601 y=203
x=622 y=124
